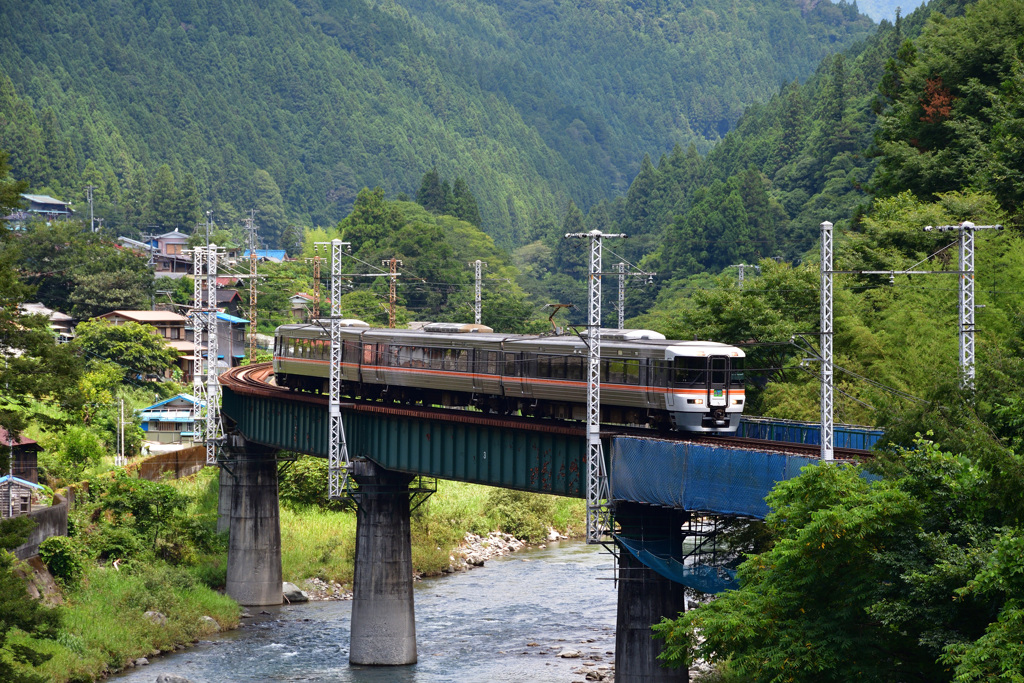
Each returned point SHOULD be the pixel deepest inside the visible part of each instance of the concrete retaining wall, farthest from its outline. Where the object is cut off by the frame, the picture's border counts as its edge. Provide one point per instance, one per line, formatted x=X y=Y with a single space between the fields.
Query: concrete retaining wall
x=51 y=521
x=182 y=463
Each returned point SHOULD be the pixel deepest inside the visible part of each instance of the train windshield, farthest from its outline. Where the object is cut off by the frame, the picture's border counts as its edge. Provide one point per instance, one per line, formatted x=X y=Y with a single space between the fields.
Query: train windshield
x=720 y=370
x=737 y=373
x=687 y=372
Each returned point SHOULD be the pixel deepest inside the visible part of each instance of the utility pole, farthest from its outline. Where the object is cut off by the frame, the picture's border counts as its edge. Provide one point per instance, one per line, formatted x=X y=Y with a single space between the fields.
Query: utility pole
x=88 y=193
x=827 y=432
x=316 y=284
x=392 y=295
x=599 y=520
x=337 y=458
x=209 y=226
x=966 y=302
x=251 y=234
x=122 y=459
x=740 y=267
x=478 y=265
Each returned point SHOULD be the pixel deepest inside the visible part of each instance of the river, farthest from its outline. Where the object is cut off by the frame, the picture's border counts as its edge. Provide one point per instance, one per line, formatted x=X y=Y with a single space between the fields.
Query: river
x=506 y=621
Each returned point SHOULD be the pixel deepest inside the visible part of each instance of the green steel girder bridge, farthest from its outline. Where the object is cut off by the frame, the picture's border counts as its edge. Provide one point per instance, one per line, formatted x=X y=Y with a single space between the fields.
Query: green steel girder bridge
x=710 y=474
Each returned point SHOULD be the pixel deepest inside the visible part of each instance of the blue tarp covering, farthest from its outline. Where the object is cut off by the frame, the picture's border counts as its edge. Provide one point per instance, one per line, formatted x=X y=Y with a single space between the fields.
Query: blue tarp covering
x=657 y=556
x=698 y=476
x=794 y=431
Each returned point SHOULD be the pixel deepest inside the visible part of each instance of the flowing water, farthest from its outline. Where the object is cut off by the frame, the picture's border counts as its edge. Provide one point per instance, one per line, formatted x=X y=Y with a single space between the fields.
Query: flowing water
x=504 y=622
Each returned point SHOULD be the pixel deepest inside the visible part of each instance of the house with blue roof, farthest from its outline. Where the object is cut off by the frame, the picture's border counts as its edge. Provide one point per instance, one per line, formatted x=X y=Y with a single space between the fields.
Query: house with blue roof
x=171 y=420
x=16 y=496
x=273 y=255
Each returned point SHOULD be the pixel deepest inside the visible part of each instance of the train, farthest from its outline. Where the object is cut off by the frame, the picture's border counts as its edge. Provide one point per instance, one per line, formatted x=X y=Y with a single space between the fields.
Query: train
x=694 y=386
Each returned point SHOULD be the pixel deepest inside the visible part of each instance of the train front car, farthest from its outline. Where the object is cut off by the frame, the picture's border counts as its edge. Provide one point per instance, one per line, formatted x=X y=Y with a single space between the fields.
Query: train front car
x=705 y=386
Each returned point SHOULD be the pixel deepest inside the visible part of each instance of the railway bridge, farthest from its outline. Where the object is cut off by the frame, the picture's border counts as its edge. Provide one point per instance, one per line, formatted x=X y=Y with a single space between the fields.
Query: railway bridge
x=664 y=488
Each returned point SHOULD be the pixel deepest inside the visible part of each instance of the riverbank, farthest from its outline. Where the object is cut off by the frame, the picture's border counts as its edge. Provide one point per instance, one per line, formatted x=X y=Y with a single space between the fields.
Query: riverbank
x=120 y=611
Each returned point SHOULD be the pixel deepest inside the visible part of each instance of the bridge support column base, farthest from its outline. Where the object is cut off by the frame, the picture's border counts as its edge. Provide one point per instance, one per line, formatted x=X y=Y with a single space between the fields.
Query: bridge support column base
x=383 y=614
x=644 y=598
x=254 y=546
x=226 y=486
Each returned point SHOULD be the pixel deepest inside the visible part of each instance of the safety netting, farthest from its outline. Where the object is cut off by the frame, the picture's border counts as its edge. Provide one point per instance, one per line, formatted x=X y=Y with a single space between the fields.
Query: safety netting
x=692 y=476
x=657 y=555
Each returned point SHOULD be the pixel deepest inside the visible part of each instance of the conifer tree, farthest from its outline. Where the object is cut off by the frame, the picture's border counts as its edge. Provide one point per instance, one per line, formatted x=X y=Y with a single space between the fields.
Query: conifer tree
x=431 y=195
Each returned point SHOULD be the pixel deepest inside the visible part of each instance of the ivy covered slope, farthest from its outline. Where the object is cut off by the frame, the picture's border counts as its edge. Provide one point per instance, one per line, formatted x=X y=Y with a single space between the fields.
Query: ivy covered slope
x=310 y=100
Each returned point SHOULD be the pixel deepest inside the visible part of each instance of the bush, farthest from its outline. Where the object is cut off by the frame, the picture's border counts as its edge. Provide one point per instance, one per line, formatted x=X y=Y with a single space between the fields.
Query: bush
x=524 y=515
x=69 y=453
x=64 y=557
x=305 y=483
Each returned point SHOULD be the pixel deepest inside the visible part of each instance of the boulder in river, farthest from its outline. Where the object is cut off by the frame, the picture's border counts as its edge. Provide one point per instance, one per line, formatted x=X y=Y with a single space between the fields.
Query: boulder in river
x=172 y=678
x=209 y=624
x=293 y=593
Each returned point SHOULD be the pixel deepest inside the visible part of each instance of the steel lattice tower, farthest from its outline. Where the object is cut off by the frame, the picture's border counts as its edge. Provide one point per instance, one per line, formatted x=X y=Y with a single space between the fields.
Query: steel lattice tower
x=337 y=459
x=827 y=404
x=477 y=268
x=599 y=520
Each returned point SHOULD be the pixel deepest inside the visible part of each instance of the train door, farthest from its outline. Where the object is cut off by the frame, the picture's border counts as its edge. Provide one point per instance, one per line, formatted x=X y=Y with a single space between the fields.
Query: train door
x=718 y=381
x=512 y=376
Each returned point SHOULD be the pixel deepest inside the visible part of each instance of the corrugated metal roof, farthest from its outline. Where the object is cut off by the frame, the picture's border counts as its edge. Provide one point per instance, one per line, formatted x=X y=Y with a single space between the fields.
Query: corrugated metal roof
x=147 y=316
x=18 y=480
x=231 y=318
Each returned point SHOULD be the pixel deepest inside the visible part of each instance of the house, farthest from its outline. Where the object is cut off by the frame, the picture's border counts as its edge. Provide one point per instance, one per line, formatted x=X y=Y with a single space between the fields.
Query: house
x=16 y=496
x=39 y=206
x=170 y=420
x=24 y=456
x=62 y=324
x=170 y=326
x=228 y=300
x=302 y=305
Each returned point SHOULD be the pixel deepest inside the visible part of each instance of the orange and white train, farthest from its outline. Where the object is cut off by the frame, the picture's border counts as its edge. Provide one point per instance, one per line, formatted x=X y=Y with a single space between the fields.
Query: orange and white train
x=694 y=386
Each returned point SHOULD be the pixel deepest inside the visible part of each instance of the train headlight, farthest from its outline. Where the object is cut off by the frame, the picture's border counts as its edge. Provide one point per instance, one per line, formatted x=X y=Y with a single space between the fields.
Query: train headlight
x=737 y=402
x=695 y=401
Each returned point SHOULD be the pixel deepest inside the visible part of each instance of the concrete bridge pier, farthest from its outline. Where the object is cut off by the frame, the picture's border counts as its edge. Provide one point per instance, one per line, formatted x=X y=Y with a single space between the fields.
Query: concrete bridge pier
x=254 y=544
x=645 y=596
x=225 y=491
x=383 y=616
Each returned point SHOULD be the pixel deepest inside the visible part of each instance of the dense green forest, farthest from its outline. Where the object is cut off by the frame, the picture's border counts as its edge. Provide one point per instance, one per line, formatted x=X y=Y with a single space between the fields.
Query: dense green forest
x=292 y=107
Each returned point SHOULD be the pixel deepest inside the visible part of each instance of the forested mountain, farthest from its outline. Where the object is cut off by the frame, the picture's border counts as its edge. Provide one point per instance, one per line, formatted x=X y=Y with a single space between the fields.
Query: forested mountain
x=291 y=107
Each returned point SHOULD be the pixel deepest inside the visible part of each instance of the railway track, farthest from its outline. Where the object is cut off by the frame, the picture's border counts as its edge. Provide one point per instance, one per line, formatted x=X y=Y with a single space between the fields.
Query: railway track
x=256 y=380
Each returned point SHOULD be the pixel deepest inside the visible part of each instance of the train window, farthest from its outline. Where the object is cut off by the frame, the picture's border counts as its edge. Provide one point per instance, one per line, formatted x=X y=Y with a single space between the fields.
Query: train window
x=544 y=366
x=368 y=354
x=719 y=370
x=462 y=360
x=558 y=367
x=350 y=352
x=291 y=347
x=616 y=371
x=574 y=367
x=511 y=367
x=737 y=373
x=434 y=357
x=688 y=371
x=633 y=372
x=492 y=363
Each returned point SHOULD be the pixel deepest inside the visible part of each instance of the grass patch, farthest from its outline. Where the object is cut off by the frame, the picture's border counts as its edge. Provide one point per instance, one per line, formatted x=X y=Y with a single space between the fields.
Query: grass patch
x=317 y=543
x=321 y=543
x=103 y=624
